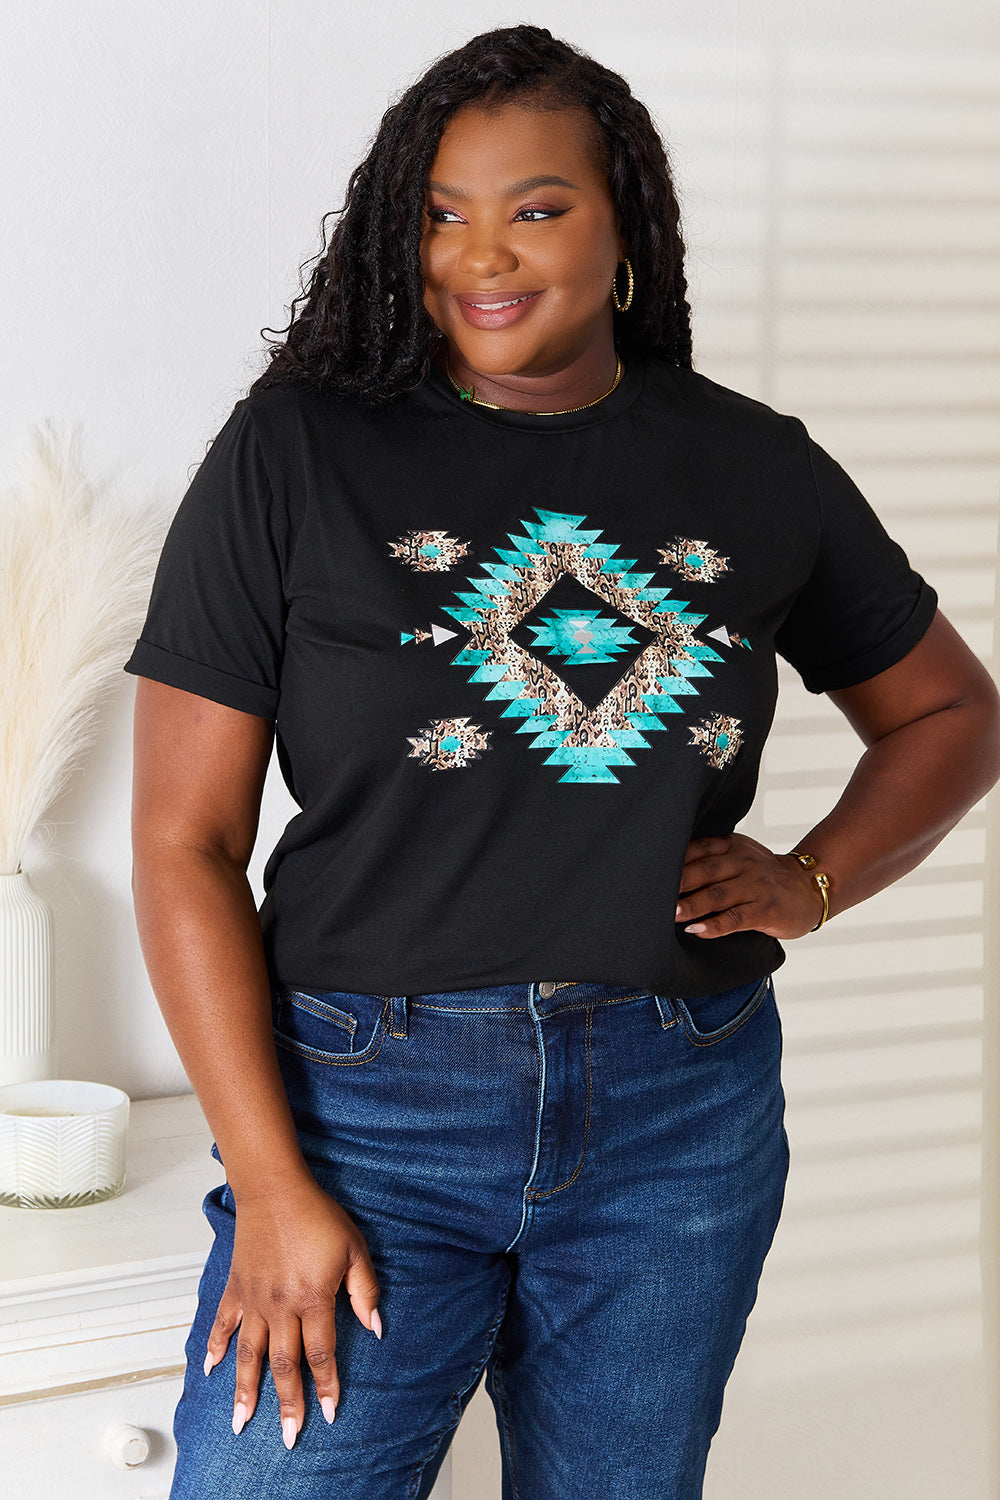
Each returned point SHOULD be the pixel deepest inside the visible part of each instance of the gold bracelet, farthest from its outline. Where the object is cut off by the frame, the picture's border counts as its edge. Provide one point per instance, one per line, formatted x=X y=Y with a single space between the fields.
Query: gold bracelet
x=820 y=880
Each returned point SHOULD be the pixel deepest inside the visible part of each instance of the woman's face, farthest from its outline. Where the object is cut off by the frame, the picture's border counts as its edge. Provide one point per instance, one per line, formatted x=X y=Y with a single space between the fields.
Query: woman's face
x=516 y=207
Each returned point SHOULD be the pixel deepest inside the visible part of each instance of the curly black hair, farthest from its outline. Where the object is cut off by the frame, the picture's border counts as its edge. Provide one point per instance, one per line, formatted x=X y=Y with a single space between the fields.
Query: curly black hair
x=360 y=327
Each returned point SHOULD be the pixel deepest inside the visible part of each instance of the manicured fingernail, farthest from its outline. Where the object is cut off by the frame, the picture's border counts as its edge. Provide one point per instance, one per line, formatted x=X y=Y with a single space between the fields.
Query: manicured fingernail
x=329 y=1407
x=289 y=1431
x=677 y=912
x=239 y=1417
x=376 y=1323
x=696 y=927
x=209 y=1363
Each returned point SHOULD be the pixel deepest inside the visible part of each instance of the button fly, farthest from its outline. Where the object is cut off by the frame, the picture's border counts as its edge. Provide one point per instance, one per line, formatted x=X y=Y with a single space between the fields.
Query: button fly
x=547 y=989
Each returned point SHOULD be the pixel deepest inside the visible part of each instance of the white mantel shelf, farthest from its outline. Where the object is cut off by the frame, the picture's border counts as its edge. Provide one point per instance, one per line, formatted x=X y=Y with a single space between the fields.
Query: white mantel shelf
x=103 y=1292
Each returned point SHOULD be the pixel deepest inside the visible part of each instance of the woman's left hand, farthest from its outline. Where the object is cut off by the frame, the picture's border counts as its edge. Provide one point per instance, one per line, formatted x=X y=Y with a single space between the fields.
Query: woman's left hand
x=733 y=884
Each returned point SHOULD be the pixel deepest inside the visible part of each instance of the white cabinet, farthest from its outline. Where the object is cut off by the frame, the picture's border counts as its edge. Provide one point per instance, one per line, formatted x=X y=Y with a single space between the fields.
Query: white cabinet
x=95 y=1306
x=69 y=1446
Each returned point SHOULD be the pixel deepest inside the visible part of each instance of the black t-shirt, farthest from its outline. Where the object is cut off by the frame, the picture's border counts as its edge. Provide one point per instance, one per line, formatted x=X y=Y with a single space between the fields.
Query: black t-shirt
x=516 y=663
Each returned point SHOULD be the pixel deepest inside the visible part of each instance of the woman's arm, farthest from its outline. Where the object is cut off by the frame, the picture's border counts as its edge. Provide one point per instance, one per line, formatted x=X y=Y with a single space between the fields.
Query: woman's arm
x=199 y=770
x=931 y=725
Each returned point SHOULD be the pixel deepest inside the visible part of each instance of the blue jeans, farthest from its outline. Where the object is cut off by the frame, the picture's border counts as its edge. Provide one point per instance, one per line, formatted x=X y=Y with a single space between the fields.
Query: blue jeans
x=569 y=1186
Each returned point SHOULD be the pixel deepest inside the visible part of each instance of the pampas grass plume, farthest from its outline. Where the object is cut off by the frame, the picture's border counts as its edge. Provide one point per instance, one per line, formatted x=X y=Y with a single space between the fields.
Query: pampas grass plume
x=76 y=567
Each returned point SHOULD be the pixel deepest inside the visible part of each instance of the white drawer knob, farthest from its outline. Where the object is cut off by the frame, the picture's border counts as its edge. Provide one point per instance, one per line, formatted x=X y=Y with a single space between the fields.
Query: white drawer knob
x=126 y=1446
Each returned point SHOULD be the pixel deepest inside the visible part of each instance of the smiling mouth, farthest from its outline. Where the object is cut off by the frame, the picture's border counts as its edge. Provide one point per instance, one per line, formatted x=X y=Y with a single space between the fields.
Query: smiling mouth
x=492 y=306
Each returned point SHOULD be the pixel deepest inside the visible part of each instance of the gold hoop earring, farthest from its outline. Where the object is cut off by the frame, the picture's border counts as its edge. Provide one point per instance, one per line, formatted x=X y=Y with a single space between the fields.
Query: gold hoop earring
x=622 y=306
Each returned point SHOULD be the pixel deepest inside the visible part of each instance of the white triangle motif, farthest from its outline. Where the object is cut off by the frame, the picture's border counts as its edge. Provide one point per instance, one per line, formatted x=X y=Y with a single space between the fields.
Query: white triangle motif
x=440 y=634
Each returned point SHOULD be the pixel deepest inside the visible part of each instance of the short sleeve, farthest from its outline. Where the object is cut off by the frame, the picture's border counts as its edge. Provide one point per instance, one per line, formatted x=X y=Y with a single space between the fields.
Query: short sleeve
x=863 y=606
x=215 y=620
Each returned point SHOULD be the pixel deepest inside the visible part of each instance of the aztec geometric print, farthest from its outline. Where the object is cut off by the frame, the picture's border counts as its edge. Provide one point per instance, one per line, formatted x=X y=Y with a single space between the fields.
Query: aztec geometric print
x=695 y=561
x=586 y=740
x=718 y=737
x=582 y=637
x=445 y=743
x=429 y=551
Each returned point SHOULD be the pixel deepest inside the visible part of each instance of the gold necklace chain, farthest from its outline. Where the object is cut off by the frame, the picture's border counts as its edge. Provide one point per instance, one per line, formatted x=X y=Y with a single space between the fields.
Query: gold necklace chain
x=468 y=393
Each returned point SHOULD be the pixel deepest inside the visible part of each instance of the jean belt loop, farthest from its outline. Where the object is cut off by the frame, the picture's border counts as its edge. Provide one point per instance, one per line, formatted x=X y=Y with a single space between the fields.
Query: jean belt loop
x=667 y=1013
x=398 y=1020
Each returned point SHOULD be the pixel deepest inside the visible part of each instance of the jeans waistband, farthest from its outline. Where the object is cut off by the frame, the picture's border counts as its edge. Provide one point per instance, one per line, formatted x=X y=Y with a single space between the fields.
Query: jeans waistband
x=545 y=997
x=541 y=997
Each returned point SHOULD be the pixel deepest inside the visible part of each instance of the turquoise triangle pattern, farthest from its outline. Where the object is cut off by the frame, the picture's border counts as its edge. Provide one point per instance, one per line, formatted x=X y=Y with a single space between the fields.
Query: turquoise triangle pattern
x=482 y=611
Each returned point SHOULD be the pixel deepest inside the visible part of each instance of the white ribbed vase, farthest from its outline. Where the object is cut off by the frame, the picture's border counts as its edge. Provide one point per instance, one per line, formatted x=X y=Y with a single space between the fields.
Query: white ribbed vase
x=25 y=981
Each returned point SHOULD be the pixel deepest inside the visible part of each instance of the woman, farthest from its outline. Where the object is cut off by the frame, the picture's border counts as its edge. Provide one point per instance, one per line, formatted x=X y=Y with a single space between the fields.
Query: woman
x=507 y=578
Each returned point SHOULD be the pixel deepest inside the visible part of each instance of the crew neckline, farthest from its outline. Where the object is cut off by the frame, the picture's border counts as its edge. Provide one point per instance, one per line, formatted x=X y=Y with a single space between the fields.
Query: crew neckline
x=624 y=393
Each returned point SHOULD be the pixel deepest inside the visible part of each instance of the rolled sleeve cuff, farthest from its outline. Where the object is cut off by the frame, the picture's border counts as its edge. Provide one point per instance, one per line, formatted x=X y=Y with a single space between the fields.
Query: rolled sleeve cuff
x=148 y=660
x=879 y=658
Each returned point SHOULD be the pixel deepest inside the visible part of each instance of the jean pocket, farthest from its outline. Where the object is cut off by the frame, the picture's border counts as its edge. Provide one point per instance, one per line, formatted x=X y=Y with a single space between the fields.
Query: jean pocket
x=330 y=1026
x=708 y=1019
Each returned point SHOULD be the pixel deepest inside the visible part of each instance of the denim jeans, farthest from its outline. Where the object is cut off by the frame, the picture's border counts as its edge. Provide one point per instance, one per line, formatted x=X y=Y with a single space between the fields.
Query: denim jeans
x=569 y=1186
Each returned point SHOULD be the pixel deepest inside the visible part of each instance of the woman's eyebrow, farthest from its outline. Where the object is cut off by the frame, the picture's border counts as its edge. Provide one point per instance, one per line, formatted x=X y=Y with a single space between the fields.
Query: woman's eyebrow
x=526 y=185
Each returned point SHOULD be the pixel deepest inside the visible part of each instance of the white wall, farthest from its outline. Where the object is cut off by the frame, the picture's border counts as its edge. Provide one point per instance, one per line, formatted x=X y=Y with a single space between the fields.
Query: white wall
x=170 y=164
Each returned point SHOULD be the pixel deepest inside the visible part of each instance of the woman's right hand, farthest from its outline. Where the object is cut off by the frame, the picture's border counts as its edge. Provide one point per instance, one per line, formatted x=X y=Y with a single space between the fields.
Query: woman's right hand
x=292 y=1250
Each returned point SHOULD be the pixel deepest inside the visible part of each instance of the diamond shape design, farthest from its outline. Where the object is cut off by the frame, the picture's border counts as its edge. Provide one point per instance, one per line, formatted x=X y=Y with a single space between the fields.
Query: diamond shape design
x=583 y=637
x=585 y=738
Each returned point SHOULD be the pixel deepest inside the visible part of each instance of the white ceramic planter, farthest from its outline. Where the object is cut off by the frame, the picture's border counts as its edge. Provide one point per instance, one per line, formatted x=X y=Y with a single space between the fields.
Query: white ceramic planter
x=62 y=1143
x=25 y=981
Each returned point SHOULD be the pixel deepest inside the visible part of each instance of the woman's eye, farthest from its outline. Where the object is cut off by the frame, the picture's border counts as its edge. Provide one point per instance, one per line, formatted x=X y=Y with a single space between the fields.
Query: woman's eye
x=449 y=216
